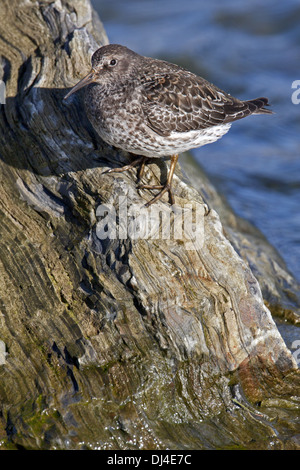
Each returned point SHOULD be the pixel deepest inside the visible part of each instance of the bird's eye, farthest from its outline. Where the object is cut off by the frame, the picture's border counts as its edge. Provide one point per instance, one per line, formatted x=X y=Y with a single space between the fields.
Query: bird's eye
x=113 y=62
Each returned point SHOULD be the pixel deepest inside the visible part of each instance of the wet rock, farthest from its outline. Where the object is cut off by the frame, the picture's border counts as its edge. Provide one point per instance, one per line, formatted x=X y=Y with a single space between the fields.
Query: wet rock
x=155 y=336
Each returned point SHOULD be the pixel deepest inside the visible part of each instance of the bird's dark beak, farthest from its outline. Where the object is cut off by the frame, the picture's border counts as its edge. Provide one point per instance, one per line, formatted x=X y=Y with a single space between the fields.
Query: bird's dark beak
x=89 y=78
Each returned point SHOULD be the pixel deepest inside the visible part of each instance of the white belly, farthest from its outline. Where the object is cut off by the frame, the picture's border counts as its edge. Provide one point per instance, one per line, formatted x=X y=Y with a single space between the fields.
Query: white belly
x=150 y=144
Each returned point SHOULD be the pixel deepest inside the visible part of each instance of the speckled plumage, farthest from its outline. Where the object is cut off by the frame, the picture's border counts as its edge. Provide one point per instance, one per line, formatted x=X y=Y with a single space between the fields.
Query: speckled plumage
x=153 y=108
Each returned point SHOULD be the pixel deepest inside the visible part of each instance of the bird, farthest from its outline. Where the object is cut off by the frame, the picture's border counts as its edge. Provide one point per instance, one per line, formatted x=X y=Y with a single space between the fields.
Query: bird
x=152 y=108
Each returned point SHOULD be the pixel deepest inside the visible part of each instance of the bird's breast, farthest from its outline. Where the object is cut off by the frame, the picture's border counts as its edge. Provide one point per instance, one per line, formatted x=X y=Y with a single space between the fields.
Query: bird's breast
x=115 y=115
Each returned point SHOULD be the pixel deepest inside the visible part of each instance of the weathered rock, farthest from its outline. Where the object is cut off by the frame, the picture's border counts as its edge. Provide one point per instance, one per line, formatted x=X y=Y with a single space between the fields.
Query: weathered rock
x=121 y=343
x=281 y=291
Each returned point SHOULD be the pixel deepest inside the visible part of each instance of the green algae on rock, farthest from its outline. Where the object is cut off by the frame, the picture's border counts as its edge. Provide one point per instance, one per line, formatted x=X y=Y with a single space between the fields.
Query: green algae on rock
x=121 y=343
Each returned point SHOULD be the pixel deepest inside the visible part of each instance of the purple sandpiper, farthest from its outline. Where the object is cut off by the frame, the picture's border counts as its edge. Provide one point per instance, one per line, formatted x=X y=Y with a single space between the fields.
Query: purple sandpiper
x=156 y=109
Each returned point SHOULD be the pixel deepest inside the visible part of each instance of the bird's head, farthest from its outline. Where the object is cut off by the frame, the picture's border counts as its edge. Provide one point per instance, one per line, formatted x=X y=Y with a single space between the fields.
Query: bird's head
x=109 y=64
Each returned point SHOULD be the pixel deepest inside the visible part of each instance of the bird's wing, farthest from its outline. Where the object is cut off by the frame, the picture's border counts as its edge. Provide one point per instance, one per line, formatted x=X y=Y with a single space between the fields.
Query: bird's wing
x=183 y=102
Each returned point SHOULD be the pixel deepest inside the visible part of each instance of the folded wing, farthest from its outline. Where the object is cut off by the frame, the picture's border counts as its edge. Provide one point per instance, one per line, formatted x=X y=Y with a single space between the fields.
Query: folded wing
x=184 y=102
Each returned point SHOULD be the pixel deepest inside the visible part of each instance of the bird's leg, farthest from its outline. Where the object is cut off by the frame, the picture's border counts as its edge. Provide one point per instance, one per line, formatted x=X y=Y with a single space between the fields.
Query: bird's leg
x=166 y=187
x=142 y=168
x=136 y=162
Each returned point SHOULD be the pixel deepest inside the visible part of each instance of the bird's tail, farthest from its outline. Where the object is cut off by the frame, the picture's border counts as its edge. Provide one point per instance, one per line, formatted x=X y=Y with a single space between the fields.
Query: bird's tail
x=237 y=109
x=257 y=106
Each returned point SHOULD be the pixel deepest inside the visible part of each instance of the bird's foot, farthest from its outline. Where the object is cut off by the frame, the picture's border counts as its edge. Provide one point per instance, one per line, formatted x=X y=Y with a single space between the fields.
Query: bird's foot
x=138 y=161
x=164 y=189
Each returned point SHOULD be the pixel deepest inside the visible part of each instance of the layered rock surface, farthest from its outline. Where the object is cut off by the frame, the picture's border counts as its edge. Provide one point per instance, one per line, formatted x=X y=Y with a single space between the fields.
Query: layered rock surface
x=123 y=342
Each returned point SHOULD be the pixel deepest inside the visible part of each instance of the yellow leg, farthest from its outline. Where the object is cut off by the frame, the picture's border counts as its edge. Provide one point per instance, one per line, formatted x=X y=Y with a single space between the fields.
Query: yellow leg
x=166 y=187
x=136 y=162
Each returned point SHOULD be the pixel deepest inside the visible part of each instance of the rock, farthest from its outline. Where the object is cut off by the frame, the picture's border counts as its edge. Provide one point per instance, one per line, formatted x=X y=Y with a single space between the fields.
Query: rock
x=122 y=341
x=281 y=291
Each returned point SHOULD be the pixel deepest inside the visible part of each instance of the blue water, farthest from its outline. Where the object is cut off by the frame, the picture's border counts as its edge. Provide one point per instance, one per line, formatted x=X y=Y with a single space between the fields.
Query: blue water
x=249 y=49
